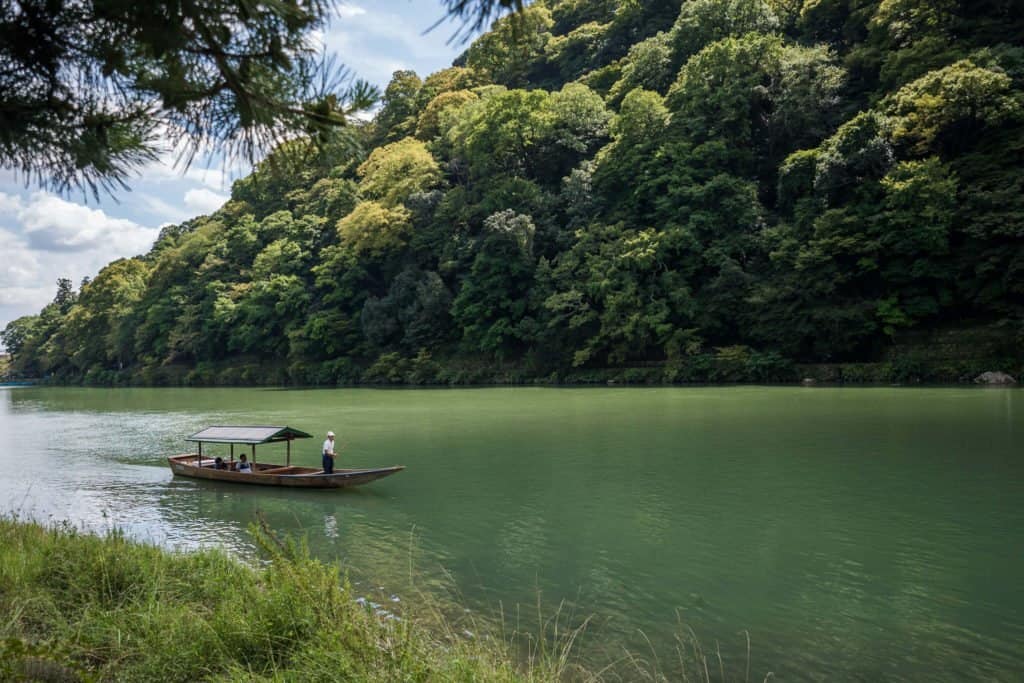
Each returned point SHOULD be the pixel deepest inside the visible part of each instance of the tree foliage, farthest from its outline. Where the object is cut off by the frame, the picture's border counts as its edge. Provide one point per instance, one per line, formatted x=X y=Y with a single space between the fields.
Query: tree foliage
x=394 y=172
x=88 y=88
x=716 y=184
x=514 y=45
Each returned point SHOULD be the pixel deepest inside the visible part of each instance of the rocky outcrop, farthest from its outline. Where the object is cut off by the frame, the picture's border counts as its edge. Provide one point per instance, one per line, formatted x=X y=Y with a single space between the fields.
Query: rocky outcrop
x=994 y=378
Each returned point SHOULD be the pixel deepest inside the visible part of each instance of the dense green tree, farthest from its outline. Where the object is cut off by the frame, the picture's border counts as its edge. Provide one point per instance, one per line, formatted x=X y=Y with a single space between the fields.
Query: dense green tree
x=41 y=340
x=912 y=37
x=709 y=189
x=514 y=45
x=628 y=171
x=17 y=333
x=575 y=124
x=413 y=315
x=397 y=116
x=703 y=22
x=498 y=131
x=265 y=312
x=647 y=66
x=286 y=176
x=492 y=305
x=632 y=22
x=95 y=327
x=529 y=133
x=332 y=329
x=394 y=172
x=569 y=14
x=574 y=54
x=374 y=229
x=944 y=109
x=616 y=296
x=452 y=79
x=66 y=295
x=429 y=124
x=330 y=198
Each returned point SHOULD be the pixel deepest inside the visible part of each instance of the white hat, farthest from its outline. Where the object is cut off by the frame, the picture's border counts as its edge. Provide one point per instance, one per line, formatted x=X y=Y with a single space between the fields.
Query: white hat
x=330 y=433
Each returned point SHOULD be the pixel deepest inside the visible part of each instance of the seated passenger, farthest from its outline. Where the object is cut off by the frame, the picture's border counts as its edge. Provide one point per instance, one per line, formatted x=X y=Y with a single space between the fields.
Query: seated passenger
x=243 y=464
x=219 y=464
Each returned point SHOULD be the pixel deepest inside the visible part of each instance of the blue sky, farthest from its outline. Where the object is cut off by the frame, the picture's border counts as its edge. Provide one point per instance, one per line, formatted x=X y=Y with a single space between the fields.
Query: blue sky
x=44 y=236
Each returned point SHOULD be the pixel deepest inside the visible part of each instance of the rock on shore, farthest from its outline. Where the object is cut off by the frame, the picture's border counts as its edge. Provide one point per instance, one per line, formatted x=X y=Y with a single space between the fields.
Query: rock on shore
x=994 y=378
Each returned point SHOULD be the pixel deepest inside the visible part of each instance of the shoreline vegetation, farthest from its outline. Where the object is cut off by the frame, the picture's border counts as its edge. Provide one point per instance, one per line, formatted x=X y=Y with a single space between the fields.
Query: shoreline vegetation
x=80 y=607
x=726 y=365
x=947 y=357
x=406 y=373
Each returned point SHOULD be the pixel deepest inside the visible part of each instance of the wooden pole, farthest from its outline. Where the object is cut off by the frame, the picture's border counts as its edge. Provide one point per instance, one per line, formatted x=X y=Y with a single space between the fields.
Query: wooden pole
x=200 y=463
x=254 y=458
x=288 y=461
x=232 y=456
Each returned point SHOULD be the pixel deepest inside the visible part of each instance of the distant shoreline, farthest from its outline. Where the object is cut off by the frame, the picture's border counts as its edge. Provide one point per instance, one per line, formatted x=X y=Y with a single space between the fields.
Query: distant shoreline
x=952 y=373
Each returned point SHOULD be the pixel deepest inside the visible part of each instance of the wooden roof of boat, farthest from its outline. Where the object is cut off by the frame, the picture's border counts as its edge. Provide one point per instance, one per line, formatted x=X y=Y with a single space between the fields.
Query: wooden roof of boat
x=252 y=434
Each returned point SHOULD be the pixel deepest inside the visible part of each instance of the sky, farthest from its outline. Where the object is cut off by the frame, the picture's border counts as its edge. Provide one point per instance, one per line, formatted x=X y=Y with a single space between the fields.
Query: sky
x=45 y=236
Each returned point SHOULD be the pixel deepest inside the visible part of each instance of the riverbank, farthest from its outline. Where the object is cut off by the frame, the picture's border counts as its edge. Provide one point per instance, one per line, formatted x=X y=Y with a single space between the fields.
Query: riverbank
x=949 y=356
x=732 y=366
x=81 y=607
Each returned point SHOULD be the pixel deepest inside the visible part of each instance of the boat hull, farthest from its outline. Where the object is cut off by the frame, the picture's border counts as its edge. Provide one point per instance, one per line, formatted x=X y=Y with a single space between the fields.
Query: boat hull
x=279 y=475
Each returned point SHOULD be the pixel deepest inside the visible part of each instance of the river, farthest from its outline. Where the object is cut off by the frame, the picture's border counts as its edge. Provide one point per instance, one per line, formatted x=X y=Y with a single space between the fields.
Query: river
x=866 y=533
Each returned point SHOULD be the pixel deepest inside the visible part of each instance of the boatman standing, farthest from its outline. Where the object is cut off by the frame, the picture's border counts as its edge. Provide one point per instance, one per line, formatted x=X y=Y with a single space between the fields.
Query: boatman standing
x=328 y=450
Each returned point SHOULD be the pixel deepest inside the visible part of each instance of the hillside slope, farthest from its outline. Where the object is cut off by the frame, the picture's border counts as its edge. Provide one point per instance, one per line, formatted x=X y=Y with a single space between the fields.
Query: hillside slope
x=699 y=190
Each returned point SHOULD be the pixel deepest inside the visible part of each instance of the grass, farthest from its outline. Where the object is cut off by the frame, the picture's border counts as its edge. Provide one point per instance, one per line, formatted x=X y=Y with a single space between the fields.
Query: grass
x=78 y=607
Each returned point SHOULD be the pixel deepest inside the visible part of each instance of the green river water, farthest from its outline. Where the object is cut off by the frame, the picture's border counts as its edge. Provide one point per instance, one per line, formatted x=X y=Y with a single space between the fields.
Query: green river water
x=855 y=534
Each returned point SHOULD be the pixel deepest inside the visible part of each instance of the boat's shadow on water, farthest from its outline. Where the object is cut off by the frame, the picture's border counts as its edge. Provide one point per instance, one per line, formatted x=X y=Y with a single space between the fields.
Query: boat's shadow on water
x=257 y=493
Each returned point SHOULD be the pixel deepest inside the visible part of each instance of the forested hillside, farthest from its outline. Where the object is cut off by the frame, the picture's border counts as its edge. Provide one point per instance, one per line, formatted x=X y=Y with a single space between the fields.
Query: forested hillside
x=679 y=191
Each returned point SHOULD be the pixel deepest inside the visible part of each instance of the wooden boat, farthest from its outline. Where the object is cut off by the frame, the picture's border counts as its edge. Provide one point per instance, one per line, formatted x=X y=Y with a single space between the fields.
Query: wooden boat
x=266 y=474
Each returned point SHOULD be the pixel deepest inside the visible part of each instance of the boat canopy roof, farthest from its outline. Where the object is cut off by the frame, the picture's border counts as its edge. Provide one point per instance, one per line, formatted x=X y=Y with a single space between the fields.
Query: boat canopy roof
x=251 y=434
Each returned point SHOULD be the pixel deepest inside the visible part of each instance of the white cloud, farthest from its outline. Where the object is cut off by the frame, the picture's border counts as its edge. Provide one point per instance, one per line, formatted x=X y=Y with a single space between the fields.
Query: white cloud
x=347 y=11
x=165 y=212
x=203 y=200
x=315 y=40
x=23 y=301
x=19 y=267
x=49 y=223
x=216 y=179
x=165 y=169
x=208 y=166
x=375 y=44
x=44 y=237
